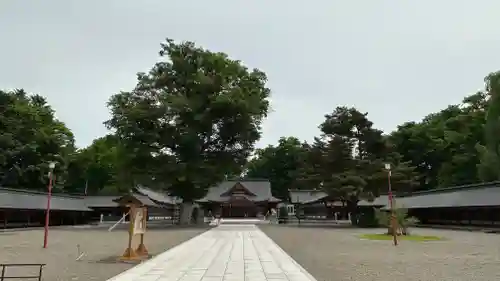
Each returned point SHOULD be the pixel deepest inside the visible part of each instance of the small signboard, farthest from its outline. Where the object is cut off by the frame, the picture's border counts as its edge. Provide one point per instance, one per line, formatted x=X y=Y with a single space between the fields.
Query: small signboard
x=139 y=221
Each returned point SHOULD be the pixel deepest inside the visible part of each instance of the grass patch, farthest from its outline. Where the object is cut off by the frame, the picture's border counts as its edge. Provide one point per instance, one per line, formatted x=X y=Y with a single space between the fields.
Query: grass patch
x=419 y=238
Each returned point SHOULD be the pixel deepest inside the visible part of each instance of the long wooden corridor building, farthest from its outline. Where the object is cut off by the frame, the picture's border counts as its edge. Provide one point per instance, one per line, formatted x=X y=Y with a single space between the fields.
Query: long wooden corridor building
x=474 y=205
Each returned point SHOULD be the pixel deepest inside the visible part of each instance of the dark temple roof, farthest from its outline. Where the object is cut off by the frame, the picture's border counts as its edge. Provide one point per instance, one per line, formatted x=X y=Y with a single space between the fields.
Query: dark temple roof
x=380 y=201
x=259 y=191
x=101 y=201
x=126 y=199
x=306 y=196
x=31 y=200
x=477 y=195
x=147 y=196
x=315 y=196
x=156 y=196
x=111 y=201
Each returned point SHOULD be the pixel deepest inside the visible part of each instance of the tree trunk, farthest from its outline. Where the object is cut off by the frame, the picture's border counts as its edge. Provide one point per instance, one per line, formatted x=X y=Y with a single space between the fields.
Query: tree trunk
x=352 y=207
x=185 y=213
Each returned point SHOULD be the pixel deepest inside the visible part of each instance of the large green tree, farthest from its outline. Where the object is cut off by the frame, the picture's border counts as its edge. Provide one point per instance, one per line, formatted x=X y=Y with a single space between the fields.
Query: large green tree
x=30 y=138
x=347 y=141
x=352 y=154
x=281 y=165
x=442 y=146
x=191 y=120
x=489 y=166
x=95 y=169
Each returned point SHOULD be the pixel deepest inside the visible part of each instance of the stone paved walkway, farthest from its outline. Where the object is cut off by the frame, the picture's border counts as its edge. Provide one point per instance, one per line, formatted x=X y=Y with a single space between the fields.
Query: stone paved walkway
x=225 y=253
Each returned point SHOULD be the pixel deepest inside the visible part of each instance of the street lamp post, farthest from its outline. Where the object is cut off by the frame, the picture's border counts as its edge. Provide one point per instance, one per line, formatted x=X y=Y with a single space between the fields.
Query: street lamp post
x=52 y=165
x=393 y=221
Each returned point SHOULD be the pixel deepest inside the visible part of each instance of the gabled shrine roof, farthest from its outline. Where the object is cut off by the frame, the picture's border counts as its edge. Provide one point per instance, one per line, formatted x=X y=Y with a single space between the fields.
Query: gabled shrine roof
x=260 y=190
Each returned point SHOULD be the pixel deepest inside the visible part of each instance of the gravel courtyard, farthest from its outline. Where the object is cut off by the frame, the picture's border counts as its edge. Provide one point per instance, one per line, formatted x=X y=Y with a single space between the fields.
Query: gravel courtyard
x=98 y=244
x=331 y=254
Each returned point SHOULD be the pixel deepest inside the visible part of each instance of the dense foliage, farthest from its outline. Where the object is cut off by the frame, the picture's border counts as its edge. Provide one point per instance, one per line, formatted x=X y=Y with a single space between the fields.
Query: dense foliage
x=403 y=220
x=30 y=138
x=194 y=119
x=456 y=146
x=96 y=168
x=281 y=164
x=490 y=151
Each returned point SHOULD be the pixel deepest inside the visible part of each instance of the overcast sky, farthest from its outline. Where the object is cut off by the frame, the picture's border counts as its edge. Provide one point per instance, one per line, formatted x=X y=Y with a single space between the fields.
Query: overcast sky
x=396 y=60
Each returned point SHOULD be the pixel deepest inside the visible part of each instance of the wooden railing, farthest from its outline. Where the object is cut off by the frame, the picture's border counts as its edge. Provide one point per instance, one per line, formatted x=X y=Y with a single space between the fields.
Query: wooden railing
x=4 y=266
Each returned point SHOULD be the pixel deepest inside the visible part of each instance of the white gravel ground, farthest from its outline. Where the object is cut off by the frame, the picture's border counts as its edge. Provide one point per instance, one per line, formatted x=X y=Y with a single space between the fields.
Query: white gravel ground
x=331 y=254
x=98 y=244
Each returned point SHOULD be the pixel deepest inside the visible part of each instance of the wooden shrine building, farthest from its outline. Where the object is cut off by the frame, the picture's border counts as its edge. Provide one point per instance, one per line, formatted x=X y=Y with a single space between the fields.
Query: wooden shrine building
x=239 y=199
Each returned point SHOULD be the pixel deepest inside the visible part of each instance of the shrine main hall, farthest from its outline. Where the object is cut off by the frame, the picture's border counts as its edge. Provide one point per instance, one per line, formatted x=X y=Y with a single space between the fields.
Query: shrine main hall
x=239 y=199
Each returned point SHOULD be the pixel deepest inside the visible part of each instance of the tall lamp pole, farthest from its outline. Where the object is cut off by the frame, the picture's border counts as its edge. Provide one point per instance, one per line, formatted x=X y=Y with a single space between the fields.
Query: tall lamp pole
x=393 y=221
x=52 y=165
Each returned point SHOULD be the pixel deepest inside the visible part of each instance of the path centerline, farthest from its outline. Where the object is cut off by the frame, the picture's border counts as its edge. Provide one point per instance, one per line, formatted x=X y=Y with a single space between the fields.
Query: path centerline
x=224 y=253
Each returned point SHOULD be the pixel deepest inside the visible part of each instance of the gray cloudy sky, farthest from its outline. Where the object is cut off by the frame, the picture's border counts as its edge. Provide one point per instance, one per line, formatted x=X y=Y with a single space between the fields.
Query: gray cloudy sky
x=397 y=60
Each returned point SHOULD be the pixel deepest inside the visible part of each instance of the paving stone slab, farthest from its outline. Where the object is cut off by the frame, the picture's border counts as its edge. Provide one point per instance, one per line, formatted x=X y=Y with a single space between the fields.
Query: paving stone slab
x=225 y=253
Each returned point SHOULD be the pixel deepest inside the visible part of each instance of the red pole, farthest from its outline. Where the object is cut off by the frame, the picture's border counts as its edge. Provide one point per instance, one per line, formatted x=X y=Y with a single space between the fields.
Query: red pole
x=390 y=189
x=47 y=212
x=393 y=215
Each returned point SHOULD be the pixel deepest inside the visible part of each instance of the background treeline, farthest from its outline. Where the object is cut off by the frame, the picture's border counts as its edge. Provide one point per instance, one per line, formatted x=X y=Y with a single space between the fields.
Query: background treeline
x=31 y=137
x=194 y=119
x=456 y=146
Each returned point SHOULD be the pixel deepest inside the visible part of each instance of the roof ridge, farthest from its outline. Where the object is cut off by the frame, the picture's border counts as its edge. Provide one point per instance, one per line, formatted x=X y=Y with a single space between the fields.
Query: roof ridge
x=231 y=187
x=159 y=192
x=94 y=196
x=482 y=185
x=36 y=192
x=247 y=179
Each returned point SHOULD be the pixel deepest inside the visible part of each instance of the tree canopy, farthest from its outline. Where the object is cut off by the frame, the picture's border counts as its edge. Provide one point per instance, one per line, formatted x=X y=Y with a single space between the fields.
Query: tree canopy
x=95 y=169
x=351 y=158
x=488 y=168
x=192 y=120
x=283 y=165
x=30 y=138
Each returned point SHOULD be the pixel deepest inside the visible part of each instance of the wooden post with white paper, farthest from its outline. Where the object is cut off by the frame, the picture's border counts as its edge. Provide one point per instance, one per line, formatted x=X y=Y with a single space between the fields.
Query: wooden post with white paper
x=137 y=226
x=140 y=228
